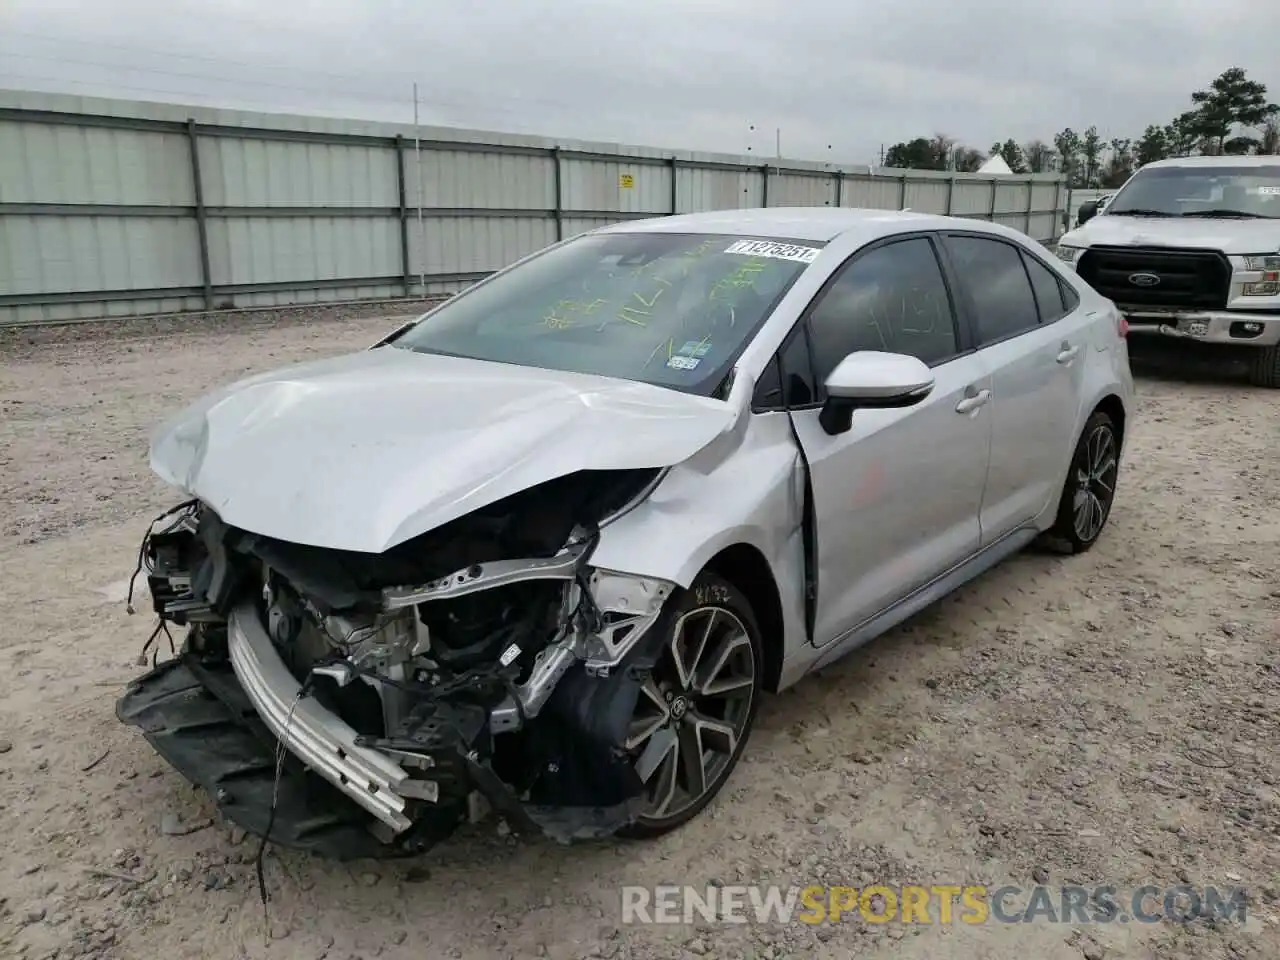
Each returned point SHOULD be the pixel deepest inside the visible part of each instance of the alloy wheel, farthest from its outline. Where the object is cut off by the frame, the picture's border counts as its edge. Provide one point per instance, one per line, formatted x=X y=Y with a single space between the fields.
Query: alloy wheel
x=693 y=711
x=1095 y=482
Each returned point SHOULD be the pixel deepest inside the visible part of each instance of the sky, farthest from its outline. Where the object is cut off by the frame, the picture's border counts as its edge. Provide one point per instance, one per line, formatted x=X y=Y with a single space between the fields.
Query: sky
x=840 y=79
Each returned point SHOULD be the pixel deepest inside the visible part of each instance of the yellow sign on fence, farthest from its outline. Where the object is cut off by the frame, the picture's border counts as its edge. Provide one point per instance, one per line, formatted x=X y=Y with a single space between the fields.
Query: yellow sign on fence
x=626 y=181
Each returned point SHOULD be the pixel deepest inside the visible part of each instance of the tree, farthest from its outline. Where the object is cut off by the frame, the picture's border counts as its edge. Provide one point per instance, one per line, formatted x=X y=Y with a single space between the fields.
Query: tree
x=1119 y=167
x=1012 y=154
x=1039 y=156
x=942 y=150
x=1232 y=116
x=918 y=154
x=1152 y=146
x=1269 y=142
x=1091 y=151
x=1241 y=145
x=1181 y=134
x=939 y=152
x=1232 y=100
x=966 y=159
x=908 y=155
x=1067 y=143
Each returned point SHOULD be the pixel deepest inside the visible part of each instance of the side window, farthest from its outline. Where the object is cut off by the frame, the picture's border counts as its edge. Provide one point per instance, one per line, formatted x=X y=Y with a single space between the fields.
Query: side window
x=788 y=379
x=993 y=273
x=1048 y=290
x=797 y=370
x=768 y=394
x=1069 y=297
x=892 y=298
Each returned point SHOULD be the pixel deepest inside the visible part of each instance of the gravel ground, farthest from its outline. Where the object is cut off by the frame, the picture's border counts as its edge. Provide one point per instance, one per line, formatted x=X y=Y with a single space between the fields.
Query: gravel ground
x=1107 y=719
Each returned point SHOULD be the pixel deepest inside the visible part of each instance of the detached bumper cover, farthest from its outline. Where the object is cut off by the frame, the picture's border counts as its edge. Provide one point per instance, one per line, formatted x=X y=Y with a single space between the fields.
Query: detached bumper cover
x=199 y=720
x=221 y=724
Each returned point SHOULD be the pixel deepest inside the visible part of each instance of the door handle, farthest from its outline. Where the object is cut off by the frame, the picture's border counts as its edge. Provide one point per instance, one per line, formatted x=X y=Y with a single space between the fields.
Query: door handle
x=1067 y=353
x=973 y=402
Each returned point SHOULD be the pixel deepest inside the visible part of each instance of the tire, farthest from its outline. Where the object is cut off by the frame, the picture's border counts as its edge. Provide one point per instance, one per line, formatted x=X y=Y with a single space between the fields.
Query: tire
x=1090 y=483
x=711 y=624
x=1265 y=371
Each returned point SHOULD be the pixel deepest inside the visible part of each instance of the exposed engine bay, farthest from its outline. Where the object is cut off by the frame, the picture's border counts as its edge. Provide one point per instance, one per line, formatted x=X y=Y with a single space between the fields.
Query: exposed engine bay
x=367 y=704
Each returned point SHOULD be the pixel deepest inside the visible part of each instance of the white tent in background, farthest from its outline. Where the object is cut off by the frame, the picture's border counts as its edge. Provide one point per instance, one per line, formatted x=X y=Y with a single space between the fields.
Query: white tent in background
x=995 y=164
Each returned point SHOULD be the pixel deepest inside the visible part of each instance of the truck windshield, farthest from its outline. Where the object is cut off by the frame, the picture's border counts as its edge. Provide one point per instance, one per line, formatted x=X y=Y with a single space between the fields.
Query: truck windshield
x=669 y=309
x=1201 y=191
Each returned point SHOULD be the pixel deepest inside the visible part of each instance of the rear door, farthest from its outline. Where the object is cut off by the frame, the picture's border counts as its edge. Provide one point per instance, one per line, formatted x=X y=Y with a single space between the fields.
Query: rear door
x=896 y=497
x=1035 y=349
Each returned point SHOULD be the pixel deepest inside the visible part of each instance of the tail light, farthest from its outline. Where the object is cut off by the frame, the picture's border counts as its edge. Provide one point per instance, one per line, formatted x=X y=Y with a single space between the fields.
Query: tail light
x=1122 y=322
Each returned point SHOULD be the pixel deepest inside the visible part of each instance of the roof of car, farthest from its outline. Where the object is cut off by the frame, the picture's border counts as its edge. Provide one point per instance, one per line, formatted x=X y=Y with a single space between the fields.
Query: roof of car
x=817 y=224
x=1227 y=160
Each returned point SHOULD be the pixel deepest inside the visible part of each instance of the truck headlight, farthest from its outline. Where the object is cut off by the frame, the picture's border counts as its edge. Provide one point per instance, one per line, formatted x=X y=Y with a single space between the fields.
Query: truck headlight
x=1267 y=288
x=1067 y=253
x=1268 y=283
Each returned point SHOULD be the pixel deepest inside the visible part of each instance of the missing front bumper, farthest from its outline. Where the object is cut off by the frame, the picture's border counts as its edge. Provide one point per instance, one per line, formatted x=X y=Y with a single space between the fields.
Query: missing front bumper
x=221 y=728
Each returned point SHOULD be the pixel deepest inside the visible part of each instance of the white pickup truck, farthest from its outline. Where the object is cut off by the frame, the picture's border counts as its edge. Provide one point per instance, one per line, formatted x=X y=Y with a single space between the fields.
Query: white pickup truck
x=1190 y=248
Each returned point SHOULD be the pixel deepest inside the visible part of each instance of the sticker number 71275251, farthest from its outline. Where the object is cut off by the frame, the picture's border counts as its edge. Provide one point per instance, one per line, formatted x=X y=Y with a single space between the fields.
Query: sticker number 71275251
x=774 y=251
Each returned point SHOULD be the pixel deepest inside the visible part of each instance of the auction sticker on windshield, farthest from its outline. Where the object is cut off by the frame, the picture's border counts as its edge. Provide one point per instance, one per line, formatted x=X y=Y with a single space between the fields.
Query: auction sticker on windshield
x=774 y=251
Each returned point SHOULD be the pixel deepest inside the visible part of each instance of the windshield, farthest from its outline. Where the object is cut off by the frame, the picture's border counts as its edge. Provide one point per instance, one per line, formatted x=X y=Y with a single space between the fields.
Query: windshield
x=1195 y=191
x=668 y=309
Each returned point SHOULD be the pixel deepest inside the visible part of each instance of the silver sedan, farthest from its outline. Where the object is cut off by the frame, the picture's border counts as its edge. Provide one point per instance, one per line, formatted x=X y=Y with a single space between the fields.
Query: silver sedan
x=542 y=551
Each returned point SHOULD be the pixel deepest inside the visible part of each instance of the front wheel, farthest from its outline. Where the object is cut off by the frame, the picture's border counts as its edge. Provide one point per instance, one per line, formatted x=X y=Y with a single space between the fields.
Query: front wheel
x=1265 y=371
x=697 y=706
x=1090 y=488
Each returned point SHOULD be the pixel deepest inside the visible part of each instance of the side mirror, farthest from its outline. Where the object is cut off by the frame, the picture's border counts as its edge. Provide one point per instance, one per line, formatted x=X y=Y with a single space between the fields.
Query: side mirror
x=1088 y=211
x=871 y=379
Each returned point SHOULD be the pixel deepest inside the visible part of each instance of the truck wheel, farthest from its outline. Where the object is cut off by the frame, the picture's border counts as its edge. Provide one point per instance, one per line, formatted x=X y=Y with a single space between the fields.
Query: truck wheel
x=1266 y=367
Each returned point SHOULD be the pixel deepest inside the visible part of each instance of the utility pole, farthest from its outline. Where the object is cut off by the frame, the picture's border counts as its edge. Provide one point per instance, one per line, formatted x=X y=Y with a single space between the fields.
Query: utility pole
x=777 y=140
x=417 y=159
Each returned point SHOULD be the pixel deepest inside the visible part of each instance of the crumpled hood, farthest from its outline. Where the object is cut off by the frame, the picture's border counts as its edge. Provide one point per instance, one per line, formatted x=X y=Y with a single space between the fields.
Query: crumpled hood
x=367 y=450
x=1232 y=237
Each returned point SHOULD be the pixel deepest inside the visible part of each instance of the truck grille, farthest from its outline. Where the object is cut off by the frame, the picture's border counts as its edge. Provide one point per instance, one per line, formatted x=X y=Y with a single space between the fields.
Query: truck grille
x=1193 y=279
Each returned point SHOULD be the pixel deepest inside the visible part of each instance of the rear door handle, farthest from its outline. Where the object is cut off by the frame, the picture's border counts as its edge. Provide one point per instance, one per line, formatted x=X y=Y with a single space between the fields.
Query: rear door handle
x=1067 y=353
x=971 y=403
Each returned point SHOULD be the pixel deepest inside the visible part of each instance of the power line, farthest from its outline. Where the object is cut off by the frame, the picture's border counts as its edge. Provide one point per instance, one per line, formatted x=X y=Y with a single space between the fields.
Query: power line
x=351 y=92
x=403 y=80
x=389 y=100
x=98 y=85
x=389 y=109
x=131 y=68
x=222 y=61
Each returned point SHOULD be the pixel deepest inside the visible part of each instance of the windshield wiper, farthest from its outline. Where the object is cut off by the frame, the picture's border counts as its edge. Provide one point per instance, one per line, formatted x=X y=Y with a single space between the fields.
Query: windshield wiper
x=1237 y=214
x=1140 y=212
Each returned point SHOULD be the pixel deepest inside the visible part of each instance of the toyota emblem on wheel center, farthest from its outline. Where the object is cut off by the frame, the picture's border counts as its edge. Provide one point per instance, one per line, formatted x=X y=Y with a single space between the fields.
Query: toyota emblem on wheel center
x=1144 y=279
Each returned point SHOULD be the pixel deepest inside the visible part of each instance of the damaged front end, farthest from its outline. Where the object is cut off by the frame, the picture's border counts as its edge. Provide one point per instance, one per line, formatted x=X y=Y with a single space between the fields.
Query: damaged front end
x=360 y=704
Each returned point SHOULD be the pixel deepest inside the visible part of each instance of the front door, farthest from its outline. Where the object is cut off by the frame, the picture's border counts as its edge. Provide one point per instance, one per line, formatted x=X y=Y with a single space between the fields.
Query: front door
x=896 y=497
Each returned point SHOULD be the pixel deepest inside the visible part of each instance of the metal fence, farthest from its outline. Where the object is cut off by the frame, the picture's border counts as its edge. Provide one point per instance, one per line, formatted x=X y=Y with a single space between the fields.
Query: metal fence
x=111 y=208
